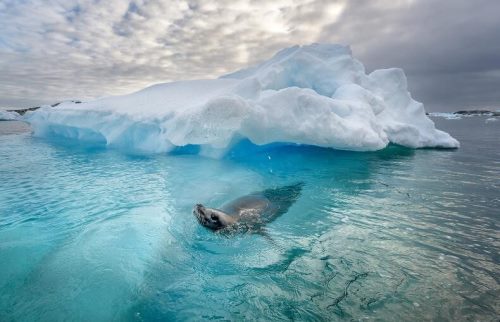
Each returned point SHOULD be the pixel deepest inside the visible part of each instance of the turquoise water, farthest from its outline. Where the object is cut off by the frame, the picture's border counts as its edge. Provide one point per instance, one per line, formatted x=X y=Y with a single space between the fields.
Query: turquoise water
x=90 y=234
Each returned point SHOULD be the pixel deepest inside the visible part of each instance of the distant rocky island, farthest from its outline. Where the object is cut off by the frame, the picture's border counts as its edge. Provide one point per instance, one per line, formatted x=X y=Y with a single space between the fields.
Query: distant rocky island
x=477 y=113
x=22 y=111
x=459 y=114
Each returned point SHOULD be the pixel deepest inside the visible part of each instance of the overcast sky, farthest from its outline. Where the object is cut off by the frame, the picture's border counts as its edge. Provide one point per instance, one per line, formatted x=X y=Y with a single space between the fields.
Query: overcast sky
x=82 y=49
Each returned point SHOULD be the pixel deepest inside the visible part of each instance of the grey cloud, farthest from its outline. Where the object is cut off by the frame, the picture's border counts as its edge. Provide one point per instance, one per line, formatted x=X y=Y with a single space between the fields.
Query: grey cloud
x=52 y=50
x=447 y=48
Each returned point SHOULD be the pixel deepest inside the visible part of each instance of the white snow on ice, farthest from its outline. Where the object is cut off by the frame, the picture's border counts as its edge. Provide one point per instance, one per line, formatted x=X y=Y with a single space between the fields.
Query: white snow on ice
x=8 y=116
x=448 y=116
x=316 y=95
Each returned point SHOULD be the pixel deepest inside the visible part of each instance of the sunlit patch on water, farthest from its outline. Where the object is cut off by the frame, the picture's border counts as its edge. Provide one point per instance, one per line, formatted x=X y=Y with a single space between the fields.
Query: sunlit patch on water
x=93 y=234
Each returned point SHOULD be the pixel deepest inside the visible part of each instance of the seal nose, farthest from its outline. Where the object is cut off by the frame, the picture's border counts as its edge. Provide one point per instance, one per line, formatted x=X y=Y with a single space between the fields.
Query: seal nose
x=199 y=208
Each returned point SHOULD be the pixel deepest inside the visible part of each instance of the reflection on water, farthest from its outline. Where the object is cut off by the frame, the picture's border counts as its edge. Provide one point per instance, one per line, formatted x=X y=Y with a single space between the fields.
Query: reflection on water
x=13 y=127
x=92 y=234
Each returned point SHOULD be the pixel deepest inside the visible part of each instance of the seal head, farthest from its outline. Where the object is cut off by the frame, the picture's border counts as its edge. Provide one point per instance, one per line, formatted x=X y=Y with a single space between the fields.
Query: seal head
x=211 y=218
x=249 y=213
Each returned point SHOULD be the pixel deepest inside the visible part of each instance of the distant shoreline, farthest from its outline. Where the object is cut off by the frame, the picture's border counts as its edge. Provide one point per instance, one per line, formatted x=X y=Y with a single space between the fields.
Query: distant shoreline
x=22 y=111
x=467 y=113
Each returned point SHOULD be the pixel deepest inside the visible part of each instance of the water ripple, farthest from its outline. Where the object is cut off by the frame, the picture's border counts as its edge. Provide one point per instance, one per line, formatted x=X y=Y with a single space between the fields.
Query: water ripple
x=91 y=234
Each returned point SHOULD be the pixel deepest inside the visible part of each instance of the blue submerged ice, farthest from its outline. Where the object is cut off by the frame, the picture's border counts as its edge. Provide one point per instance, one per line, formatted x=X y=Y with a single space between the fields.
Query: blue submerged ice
x=315 y=95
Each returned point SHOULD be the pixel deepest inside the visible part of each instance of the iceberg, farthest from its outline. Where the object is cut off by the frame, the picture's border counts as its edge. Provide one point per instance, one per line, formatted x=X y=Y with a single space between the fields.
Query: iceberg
x=8 y=115
x=314 y=95
x=448 y=116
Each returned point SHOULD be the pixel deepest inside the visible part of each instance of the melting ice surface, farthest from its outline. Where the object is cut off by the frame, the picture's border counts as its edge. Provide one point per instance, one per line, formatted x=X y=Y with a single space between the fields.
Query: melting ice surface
x=316 y=95
x=94 y=234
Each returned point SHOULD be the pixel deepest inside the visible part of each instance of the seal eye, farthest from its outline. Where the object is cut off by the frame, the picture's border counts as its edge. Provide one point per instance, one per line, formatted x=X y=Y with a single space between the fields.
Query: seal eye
x=214 y=217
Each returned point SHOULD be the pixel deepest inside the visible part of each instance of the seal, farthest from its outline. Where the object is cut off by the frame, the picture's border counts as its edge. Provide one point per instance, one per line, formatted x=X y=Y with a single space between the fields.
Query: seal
x=250 y=212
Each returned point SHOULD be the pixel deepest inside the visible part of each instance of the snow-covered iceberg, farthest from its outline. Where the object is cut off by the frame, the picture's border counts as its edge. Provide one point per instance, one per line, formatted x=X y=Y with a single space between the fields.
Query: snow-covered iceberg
x=8 y=116
x=445 y=115
x=316 y=95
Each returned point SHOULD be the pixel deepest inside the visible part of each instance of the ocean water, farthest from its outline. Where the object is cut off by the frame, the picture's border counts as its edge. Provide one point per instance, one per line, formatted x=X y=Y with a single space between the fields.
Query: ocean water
x=91 y=234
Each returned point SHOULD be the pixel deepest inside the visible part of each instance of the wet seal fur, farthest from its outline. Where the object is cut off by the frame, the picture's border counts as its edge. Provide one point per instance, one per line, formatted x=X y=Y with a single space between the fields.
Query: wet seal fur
x=249 y=213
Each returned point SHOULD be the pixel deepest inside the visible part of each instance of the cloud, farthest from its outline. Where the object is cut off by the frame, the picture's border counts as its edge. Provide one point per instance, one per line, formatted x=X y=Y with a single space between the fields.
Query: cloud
x=449 y=49
x=53 y=50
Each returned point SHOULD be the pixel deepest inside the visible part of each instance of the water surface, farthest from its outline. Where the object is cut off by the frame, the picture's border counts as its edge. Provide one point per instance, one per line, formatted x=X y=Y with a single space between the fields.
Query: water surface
x=88 y=233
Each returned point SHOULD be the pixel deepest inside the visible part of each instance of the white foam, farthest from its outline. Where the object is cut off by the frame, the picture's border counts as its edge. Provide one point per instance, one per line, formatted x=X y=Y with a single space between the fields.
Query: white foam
x=317 y=95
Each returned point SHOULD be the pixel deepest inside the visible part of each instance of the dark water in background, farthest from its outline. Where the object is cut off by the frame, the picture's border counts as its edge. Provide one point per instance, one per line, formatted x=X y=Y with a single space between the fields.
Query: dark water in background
x=92 y=234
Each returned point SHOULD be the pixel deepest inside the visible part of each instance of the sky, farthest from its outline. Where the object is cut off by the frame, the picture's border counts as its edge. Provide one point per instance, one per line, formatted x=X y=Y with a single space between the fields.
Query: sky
x=83 y=49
